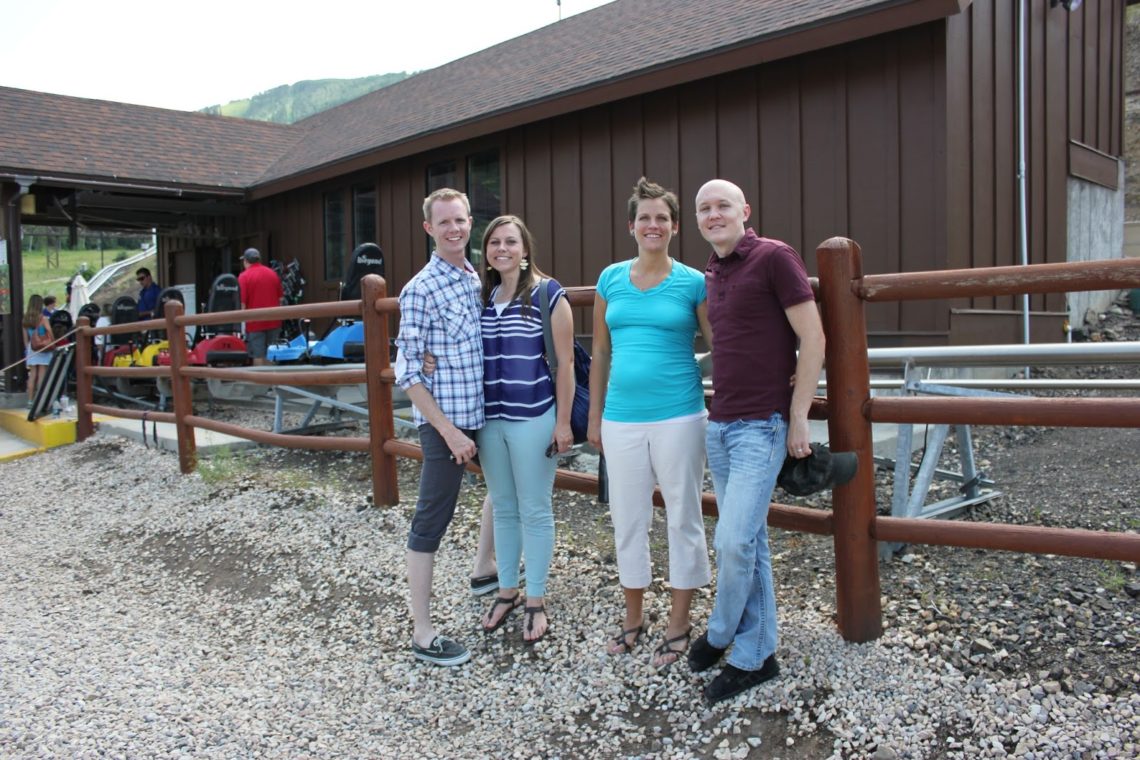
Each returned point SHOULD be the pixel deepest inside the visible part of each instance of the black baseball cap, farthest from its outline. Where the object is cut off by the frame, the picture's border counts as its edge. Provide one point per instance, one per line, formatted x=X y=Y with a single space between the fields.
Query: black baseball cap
x=821 y=469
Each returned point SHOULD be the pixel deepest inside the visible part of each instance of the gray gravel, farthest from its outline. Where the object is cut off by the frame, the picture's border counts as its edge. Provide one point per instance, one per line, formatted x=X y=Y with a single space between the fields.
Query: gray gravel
x=257 y=609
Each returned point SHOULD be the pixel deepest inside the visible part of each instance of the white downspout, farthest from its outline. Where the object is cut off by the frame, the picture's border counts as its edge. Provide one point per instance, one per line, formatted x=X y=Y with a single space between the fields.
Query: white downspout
x=1022 y=179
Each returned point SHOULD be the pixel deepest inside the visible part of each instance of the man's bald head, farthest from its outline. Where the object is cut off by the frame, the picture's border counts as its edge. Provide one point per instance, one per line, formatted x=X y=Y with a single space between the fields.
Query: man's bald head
x=722 y=186
x=721 y=214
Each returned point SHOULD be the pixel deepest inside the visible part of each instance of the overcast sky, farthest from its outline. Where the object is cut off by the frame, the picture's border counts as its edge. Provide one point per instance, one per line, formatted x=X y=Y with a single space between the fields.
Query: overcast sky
x=188 y=55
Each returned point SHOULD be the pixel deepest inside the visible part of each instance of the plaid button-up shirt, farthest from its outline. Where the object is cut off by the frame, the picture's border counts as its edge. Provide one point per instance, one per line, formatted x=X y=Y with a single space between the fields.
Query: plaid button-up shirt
x=439 y=312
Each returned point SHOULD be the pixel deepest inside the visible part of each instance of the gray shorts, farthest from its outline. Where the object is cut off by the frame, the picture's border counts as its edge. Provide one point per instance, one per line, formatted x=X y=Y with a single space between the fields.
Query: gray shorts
x=258 y=343
x=440 y=480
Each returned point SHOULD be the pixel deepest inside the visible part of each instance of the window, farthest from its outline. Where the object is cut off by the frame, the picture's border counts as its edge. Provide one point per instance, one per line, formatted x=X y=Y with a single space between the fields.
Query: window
x=364 y=214
x=338 y=224
x=484 y=189
x=336 y=239
x=440 y=175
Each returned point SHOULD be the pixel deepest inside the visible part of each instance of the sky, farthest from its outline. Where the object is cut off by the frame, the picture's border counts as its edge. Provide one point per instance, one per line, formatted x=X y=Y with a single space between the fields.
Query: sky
x=189 y=55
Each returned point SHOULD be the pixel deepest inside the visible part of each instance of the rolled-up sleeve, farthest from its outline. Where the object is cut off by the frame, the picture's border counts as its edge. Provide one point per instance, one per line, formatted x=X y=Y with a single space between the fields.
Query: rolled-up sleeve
x=412 y=339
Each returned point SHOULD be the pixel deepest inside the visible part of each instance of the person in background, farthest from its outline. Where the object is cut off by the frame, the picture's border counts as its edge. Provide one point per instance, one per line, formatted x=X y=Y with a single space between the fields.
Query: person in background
x=35 y=327
x=439 y=313
x=760 y=305
x=49 y=305
x=527 y=417
x=148 y=295
x=647 y=413
x=260 y=288
x=104 y=320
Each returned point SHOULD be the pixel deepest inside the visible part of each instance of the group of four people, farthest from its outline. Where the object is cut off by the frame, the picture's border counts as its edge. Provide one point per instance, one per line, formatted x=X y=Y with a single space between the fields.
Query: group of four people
x=472 y=360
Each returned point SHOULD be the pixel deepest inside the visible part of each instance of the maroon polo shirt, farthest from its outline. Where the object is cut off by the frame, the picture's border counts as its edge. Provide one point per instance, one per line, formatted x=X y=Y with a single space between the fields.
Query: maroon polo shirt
x=754 y=346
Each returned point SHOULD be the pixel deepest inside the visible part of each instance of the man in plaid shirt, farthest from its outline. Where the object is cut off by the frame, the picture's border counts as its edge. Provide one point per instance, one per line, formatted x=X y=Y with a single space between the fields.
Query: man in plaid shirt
x=439 y=314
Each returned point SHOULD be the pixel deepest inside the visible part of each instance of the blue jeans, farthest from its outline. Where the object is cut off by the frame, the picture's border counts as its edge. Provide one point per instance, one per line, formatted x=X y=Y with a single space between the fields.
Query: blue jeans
x=520 y=479
x=745 y=457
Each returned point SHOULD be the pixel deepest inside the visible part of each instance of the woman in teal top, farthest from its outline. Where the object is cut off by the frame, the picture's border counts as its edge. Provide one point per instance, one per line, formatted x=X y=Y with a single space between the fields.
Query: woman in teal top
x=647 y=414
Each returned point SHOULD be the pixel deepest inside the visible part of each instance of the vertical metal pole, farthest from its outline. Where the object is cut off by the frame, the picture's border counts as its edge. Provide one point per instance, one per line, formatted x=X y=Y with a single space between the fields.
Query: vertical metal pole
x=180 y=388
x=381 y=425
x=84 y=425
x=1022 y=173
x=848 y=391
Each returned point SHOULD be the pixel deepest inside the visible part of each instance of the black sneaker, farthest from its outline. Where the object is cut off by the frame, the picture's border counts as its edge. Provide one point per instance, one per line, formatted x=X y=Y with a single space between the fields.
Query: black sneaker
x=485 y=584
x=703 y=655
x=732 y=680
x=442 y=651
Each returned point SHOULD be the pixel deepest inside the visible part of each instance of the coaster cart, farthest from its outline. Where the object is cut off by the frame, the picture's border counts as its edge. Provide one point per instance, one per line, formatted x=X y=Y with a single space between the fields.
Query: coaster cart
x=342 y=344
x=91 y=311
x=344 y=340
x=296 y=340
x=211 y=345
x=124 y=350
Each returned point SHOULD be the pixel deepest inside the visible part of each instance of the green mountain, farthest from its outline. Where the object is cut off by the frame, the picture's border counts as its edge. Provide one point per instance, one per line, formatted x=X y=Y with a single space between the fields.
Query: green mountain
x=293 y=102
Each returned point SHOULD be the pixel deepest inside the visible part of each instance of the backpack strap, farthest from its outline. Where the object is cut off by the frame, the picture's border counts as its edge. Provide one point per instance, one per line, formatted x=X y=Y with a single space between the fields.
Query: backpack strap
x=547 y=335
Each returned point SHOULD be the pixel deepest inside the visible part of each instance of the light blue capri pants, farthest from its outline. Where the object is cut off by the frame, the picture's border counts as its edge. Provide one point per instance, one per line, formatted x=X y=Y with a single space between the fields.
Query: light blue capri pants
x=520 y=478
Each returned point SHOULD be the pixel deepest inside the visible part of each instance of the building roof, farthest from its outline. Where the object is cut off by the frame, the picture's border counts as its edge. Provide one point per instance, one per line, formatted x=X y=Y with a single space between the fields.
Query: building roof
x=68 y=138
x=614 y=51
x=623 y=41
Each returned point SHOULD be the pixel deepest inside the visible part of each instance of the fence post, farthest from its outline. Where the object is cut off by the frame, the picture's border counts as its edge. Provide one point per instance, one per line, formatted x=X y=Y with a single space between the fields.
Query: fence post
x=848 y=389
x=180 y=388
x=381 y=425
x=84 y=425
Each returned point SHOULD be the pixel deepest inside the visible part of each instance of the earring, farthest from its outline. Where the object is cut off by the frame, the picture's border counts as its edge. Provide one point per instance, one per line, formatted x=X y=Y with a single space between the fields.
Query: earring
x=524 y=265
x=490 y=268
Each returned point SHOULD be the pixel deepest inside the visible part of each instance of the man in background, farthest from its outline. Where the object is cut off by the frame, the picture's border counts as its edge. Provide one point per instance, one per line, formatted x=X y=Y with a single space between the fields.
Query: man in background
x=260 y=288
x=148 y=296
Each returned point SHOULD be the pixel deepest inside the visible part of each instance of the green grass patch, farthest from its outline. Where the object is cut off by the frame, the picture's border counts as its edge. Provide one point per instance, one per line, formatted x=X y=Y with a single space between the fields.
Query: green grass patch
x=221 y=466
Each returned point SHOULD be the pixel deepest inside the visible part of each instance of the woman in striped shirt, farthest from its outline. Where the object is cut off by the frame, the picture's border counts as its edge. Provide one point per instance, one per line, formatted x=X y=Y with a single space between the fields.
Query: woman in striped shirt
x=527 y=417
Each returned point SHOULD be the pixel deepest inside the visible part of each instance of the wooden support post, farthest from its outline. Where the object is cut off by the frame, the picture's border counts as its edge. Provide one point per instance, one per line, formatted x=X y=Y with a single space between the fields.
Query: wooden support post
x=381 y=426
x=181 y=390
x=84 y=425
x=848 y=389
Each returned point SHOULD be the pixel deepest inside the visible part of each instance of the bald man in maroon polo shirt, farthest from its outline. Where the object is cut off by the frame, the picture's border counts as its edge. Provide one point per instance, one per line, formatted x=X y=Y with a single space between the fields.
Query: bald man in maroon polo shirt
x=760 y=305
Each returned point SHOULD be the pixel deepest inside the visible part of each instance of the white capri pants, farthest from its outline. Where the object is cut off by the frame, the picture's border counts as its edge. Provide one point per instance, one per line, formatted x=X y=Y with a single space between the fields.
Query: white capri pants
x=640 y=455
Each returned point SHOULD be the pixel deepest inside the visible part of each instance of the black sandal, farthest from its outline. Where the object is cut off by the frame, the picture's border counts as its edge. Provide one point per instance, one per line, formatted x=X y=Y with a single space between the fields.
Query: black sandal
x=512 y=603
x=666 y=648
x=528 y=616
x=627 y=646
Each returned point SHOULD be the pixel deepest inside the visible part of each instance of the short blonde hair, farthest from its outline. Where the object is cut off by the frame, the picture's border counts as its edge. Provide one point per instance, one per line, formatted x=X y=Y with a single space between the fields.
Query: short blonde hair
x=444 y=194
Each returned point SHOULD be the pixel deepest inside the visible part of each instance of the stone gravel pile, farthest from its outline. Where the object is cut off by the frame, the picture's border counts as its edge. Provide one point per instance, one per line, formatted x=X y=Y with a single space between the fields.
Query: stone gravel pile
x=258 y=609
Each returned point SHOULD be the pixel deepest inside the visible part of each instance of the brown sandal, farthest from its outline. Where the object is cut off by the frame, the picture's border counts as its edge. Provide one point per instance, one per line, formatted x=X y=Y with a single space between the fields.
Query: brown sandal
x=528 y=616
x=621 y=642
x=666 y=648
x=511 y=603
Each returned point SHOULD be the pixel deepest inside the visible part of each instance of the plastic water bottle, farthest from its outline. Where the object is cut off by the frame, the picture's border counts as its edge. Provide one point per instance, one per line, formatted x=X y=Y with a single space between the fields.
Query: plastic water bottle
x=65 y=402
x=55 y=408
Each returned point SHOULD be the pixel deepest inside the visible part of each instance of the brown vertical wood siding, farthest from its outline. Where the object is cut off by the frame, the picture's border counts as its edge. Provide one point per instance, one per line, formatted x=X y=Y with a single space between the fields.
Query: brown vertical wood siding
x=904 y=142
x=1075 y=93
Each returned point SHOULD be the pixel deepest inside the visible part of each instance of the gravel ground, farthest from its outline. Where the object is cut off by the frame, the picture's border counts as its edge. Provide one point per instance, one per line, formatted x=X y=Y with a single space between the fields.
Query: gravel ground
x=257 y=608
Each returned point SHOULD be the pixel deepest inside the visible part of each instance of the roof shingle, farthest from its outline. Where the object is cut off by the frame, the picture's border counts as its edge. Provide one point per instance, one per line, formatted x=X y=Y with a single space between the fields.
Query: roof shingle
x=69 y=136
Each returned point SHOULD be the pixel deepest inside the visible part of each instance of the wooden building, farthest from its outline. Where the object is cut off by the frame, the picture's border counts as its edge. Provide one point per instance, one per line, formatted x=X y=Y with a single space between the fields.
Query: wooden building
x=893 y=122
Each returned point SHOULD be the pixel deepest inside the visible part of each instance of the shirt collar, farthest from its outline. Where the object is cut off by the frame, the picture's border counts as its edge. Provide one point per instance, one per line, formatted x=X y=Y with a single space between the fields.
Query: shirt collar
x=742 y=250
x=452 y=271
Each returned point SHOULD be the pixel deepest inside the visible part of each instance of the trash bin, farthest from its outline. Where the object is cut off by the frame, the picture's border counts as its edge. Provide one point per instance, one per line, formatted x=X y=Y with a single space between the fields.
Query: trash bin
x=1134 y=300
